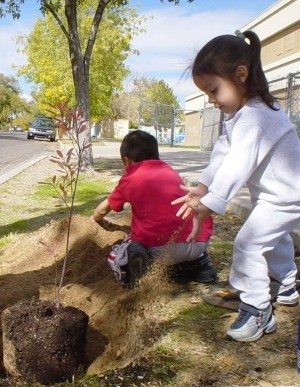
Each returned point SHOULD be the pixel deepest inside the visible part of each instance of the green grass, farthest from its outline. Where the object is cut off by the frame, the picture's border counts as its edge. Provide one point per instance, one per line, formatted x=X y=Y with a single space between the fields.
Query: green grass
x=200 y=310
x=87 y=190
x=88 y=195
x=4 y=241
x=86 y=381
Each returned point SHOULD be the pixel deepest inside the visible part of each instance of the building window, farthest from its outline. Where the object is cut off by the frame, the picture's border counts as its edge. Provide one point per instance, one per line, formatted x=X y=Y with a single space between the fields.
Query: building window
x=289 y=42
x=279 y=47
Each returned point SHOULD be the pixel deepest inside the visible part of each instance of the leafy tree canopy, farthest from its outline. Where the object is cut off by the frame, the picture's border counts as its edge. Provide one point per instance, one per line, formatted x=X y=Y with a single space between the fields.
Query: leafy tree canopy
x=10 y=7
x=160 y=92
x=13 y=6
x=11 y=103
x=49 y=67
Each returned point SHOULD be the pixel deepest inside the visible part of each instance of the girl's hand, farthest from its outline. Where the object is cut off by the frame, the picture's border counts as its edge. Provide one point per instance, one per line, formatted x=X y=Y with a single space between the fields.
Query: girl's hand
x=198 y=218
x=191 y=200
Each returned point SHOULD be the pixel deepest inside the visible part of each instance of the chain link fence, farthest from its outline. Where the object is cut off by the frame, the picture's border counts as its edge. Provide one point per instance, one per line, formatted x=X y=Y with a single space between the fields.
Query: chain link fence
x=285 y=89
x=166 y=122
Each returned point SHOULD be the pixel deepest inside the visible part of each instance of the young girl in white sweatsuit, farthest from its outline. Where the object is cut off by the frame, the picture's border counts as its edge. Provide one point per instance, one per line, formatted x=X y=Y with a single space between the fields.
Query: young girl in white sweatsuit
x=258 y=147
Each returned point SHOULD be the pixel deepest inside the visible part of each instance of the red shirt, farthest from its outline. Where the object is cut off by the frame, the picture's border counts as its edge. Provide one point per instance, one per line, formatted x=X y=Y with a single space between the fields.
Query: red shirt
x=150 y=186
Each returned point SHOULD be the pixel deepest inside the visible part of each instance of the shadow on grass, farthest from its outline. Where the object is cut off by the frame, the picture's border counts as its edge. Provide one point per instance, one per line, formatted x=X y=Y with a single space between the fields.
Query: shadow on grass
x=114 y=165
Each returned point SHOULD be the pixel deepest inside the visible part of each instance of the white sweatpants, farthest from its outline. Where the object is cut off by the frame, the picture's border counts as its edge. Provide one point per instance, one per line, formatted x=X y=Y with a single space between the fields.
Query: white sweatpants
x=264 y=247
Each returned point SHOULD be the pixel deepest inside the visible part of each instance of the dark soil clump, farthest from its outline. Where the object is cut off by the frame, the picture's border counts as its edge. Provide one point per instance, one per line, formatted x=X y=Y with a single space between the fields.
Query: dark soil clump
x=43 y=343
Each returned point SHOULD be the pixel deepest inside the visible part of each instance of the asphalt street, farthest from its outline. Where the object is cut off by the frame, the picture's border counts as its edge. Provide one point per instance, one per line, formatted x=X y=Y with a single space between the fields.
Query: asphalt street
x=15 y=150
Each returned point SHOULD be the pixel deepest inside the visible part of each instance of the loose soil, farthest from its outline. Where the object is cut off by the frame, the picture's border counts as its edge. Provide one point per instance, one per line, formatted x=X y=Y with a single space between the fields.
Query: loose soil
x=156 y=335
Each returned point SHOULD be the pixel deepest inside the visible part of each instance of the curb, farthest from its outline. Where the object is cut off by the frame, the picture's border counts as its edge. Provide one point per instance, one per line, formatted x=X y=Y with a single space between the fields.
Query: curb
x=7 y=176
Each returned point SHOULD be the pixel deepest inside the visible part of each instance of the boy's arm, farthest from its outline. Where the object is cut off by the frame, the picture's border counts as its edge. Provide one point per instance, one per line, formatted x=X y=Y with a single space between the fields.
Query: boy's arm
x=101 y=210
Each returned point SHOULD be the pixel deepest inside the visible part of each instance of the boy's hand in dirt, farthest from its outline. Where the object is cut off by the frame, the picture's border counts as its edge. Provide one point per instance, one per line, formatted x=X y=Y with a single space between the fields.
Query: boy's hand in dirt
x=101 y=211
x=102 y=222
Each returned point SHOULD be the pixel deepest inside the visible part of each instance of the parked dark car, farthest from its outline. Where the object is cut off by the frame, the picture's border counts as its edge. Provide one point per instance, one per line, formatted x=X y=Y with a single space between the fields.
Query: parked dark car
x=42 y=127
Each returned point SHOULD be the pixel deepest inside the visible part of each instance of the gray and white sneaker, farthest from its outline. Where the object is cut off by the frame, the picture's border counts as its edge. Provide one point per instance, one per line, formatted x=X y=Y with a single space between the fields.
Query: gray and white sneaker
x=283 y=295
x=251 y=323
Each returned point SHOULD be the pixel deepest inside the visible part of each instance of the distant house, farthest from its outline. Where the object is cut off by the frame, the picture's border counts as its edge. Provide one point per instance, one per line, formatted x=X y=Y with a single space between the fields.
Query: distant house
x=279 y=31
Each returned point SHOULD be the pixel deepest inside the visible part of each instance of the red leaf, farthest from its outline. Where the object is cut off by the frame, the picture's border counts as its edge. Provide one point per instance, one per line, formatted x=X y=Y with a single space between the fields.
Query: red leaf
x=87 y=146
x=82 y=128
x=55 y=161
x=69 y=157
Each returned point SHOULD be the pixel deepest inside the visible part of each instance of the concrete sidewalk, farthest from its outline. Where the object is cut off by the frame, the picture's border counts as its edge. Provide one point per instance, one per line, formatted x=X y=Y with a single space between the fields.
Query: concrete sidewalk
x=189 y=163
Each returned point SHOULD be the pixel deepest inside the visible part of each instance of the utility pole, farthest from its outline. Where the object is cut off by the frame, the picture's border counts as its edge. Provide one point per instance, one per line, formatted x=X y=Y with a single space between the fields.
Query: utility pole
x=289 y=109
x=173 y=125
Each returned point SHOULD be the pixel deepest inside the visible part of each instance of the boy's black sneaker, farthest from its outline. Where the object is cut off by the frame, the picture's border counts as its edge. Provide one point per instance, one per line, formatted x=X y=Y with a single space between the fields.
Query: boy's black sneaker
x=199 y=270
x=139 y=262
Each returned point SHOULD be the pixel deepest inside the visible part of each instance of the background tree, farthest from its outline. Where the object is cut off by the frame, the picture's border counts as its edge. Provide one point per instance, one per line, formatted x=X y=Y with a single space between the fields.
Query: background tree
x=25 y=118
x=49 y=68
x=151 y=100
x=12 y=105
x=165 y=104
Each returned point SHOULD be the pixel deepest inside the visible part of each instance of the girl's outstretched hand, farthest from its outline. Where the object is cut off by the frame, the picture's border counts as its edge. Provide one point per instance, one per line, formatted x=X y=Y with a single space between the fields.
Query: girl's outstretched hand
x=198 y=218
x=191 y=202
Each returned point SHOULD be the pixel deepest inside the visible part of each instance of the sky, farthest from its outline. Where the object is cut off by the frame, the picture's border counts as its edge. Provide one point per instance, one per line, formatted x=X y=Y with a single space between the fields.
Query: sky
x=174 y=34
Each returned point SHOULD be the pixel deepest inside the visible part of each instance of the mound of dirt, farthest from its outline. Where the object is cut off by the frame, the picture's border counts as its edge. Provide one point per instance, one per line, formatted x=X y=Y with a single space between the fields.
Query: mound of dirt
x=121 y=321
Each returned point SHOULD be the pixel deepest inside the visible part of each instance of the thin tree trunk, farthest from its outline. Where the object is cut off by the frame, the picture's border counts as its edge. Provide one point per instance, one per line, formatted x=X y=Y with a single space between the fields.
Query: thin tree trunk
x=80 y=72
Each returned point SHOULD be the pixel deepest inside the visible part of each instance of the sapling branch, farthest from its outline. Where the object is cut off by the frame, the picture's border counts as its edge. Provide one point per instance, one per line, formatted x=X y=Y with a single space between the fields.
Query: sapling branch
x=72 y=123
x=71 y=209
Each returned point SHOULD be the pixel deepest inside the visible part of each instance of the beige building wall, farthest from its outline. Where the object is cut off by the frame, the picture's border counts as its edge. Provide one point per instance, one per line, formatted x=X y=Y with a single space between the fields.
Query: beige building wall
x=279 y=31
x=193 y=124
x=281 y=45
x=194 y=105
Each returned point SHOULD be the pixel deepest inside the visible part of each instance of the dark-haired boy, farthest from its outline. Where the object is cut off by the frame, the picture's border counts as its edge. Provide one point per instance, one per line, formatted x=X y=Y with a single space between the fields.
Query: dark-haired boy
x=150 y=185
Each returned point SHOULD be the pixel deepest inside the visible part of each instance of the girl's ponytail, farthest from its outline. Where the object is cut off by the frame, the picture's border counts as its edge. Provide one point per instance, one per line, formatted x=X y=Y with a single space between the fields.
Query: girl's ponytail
x=255 y=45
x=257 y=84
